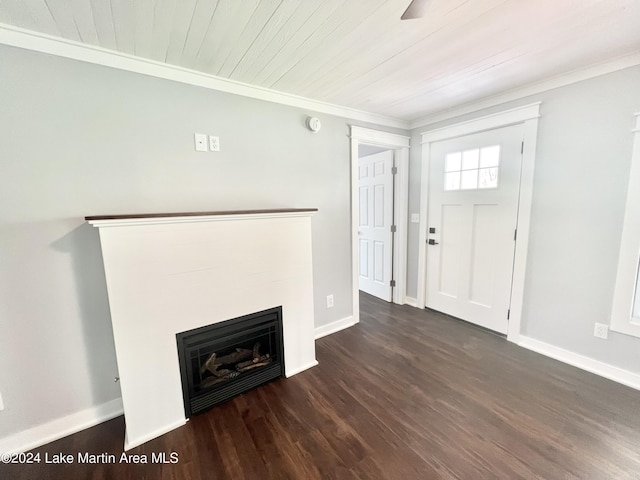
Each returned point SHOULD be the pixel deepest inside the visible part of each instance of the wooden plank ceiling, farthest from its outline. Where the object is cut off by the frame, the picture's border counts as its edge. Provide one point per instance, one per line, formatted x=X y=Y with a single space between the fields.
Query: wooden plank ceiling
x=355 y=53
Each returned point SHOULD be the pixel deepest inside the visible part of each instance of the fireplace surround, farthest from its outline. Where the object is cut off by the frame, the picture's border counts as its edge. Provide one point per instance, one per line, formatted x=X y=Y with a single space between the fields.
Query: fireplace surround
x=172 y=273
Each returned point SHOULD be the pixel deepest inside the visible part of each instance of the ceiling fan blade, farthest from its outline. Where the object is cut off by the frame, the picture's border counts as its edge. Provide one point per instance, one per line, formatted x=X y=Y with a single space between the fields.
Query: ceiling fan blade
x=416 y=9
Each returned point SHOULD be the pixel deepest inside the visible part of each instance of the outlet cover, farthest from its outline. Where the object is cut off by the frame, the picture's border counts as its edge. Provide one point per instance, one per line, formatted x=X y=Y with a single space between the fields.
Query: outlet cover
x=201 y=142
x=329 y=301
x=214 y=143
x=601 y=330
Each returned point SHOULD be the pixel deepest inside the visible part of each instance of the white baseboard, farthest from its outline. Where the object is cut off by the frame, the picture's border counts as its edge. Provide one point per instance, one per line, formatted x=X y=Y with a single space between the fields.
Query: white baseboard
x=61 y=427
x=295 y=371
x=128 y=445
x=605 y=370
x=413 y=302
x=333 y=327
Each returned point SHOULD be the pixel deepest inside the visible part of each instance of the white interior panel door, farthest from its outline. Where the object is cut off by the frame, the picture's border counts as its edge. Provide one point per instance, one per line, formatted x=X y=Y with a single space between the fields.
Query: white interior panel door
x=376 y=218
x=474 y=186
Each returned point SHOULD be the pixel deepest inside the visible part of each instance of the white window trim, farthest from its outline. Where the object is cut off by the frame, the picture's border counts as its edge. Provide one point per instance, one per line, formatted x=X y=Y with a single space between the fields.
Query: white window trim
x=528 y=116
x=627 y=275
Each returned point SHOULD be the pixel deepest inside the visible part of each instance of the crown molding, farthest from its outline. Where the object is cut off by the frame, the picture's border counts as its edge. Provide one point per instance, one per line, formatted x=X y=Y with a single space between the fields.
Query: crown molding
x=43 y=43
x=487 y=122
x=618 y=63
x=40 y=42
x=376 y=137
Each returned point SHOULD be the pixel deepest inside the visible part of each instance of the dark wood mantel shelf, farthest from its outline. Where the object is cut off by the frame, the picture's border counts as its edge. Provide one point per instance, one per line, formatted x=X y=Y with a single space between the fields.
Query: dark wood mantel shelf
x=198 y=214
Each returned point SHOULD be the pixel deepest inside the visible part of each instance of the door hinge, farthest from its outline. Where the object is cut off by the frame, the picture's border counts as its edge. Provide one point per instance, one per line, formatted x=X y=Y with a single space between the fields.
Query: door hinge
x=393 y=229
x=522 y=148
x=394 y=171
x=508 y=314
x=392 y=283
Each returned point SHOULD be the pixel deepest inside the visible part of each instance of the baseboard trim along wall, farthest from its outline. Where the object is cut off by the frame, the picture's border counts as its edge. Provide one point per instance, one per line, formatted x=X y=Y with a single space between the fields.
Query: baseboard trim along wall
x=412 y=302
x=583 y=362
x=333 y=327
x=90 y=417
x=295 y=371
x=602 y=369
x=140 y=440
x=61 y=427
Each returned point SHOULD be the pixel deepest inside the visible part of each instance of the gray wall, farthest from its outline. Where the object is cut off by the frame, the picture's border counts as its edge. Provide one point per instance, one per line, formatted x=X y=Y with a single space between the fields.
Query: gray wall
x=582 y=172
x=79 y=139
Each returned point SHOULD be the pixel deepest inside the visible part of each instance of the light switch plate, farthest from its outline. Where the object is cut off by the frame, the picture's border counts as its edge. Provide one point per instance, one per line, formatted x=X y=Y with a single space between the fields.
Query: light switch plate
x=201 y=142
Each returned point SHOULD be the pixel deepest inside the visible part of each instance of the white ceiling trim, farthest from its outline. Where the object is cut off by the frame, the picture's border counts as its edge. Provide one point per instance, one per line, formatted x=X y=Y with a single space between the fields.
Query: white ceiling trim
x=592 y=71
x=488 y=122
x=39 y=42
x=376 y=137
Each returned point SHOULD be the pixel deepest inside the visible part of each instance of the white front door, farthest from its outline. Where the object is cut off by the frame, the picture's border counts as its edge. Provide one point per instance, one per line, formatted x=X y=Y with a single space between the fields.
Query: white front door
x=376 y=218
x=474 y=186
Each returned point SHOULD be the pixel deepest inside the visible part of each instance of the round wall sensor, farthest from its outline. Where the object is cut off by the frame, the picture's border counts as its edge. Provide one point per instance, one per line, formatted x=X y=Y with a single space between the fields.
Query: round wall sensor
x=313 y=124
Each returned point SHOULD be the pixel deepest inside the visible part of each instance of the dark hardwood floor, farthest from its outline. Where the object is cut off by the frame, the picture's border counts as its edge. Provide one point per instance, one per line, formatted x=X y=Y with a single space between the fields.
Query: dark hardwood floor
x=406 y=394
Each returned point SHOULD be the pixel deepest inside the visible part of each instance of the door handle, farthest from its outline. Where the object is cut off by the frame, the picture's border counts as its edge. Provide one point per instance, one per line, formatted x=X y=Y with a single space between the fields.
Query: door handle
x=432 y=242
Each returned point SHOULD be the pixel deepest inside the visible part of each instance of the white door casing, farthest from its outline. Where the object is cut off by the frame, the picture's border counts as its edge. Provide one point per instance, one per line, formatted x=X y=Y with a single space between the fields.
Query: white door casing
x=625 y=313
x=473 y=204
x=400 y=145
x=528 y=116
x=374 y=226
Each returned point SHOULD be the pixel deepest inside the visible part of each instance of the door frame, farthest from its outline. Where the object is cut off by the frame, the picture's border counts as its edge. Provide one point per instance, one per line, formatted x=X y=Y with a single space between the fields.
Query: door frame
x=527 y=115
x=400 y=145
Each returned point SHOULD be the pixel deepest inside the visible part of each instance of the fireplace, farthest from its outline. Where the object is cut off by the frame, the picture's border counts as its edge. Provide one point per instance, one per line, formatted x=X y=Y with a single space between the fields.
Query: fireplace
x=220 y=361
x=179 y=272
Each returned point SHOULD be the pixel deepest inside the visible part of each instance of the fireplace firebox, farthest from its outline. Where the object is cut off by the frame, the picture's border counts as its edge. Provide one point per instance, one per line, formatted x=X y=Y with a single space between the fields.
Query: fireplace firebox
x=220 y=361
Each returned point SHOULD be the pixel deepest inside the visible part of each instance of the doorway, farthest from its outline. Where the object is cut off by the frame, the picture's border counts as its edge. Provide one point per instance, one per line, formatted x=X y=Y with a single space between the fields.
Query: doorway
x=525 y=118
x=473 y=193
x=399 y=145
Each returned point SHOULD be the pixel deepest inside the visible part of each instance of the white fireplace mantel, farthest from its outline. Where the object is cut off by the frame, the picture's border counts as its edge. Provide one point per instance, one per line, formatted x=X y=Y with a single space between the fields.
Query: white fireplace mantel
x=168 y=273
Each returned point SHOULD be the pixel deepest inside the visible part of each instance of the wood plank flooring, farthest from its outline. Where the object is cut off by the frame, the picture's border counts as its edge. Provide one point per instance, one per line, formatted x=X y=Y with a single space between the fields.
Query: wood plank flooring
x=405 y=394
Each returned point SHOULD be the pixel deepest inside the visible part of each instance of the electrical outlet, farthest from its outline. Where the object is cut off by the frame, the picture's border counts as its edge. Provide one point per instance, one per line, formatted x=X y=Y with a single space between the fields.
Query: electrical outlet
x=214 y=143
x=329 y=301
x=601 y=330
x=1 y=404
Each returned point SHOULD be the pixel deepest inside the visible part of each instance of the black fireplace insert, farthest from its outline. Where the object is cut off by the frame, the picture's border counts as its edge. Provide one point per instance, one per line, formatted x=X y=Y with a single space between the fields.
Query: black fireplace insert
x=220 y=361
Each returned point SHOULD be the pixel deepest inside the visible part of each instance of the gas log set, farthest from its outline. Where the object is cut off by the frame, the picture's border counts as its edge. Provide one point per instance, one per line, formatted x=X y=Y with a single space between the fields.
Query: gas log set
x=220 y=369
